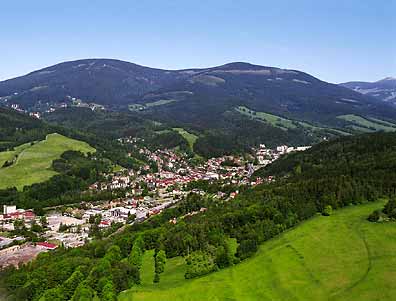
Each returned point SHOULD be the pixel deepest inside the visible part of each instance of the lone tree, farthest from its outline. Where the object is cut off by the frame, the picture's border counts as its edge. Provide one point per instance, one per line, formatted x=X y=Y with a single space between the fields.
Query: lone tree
x=160 y=260
x=136 y=256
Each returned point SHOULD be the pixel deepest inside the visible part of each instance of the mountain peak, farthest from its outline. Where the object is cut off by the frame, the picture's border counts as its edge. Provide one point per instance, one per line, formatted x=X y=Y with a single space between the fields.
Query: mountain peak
x=241 y=66
x=389 y=78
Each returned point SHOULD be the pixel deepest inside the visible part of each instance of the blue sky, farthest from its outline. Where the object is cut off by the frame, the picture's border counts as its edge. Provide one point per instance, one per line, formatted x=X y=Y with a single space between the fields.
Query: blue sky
x=334 y=40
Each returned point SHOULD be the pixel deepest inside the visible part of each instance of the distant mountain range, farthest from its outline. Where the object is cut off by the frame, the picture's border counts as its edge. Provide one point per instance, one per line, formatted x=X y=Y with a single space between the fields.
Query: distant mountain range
x=384 y=89
x=118 y=84
x=222 y=103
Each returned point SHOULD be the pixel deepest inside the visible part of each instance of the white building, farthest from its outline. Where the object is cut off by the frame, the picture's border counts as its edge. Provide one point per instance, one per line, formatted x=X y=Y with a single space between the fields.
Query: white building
x=9 y=209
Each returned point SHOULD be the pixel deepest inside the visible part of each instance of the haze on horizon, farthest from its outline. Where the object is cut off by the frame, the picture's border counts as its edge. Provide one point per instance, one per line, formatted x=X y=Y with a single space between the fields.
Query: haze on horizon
x=332 y=40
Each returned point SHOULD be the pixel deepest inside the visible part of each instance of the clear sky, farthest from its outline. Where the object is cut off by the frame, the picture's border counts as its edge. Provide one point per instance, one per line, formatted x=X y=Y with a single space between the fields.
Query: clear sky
x=335 y=40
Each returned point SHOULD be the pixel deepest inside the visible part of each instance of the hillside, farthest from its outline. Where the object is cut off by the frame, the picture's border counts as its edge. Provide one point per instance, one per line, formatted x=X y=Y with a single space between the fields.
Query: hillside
x=33 y=161
x=245 y=245
x=341 y=257
x=368 y=157
x=17 y=128
x=384 y=89
x=96 y=80
x=205 y=102
x=200 y=98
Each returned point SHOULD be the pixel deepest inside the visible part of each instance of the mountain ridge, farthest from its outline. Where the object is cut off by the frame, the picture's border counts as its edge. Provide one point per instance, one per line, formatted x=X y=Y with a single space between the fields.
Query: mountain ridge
x=383 y=89
x=202 y=99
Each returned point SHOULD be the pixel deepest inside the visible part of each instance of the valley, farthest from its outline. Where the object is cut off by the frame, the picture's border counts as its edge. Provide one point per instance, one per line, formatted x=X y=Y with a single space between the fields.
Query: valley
x=208 y=100
x=226 y=228
x=160 y=209
x=192 y=151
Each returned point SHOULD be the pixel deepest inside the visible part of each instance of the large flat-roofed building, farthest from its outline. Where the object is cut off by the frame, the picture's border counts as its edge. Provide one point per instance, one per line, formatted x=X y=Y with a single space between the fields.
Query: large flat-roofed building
x=9 y=209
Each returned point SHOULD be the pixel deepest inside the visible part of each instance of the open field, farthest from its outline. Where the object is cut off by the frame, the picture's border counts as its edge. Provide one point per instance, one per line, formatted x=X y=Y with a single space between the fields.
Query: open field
x=33 y=164
x=191 y=138
x=341 y=257
x=383 y=122
x=367 y=125
x=283 y=123
x=141 y=107
x=274 y=120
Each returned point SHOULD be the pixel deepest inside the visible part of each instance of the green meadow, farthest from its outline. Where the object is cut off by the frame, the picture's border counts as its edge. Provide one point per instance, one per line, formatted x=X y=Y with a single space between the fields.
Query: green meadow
x=283 y=123
x=274 y=120
x=340 y=257
x=191 y=138
x=33 y=163
x=368 y=125
x=141 y=107
x=9 y=155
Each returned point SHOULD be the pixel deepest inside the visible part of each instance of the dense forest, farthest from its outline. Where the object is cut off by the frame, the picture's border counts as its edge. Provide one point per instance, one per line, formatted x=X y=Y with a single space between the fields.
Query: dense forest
x=17 y=128
x=343 y=172
x=233 y=133
x=112 y=125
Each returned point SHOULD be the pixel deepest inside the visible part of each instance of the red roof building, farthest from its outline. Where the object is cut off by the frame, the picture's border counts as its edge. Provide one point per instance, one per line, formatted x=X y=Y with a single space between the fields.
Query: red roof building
x=47 y=245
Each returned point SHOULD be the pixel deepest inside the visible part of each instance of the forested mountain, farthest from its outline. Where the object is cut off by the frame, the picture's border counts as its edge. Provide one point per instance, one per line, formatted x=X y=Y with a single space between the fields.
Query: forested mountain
x=196 y=96
x=97 y=80
x=350 y=170
x=230 y=107
x=384 y=89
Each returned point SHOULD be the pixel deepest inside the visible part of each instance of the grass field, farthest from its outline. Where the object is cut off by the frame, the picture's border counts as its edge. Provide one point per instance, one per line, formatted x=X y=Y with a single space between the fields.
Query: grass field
x=9 y=155
x=283 y=123
x=341 y=257
x=274 y=120
x=141 y=107
x=34 y=162
x=367 y=125
x=191 y=138
x=383 y=122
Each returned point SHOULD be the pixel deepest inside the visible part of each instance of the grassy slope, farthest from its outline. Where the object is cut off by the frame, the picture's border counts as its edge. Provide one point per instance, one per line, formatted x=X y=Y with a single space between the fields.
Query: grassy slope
x=366 y=124
x=34 y=162
x=341 y=257
x=140 y=107
x=191 y=138
x=283 y=123
x=173 y=275
x=274 y=120
x=8 y=155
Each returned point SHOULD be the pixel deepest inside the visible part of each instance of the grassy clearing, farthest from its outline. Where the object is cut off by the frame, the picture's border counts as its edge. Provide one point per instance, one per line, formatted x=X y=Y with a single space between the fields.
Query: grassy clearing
x=383 y=122
x=368 y=124
x=159 y=102
x=274 y=120
x=341 y=257
x=284 y=123
x=361 y=129
x=191 y=138
x=9 y=155
x=141 y=107
x=34 y=161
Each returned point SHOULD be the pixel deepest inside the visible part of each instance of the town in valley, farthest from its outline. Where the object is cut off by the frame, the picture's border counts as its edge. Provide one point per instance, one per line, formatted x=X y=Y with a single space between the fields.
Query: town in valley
x=24 y=233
